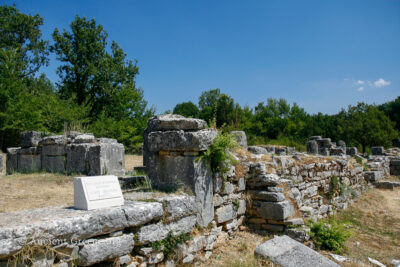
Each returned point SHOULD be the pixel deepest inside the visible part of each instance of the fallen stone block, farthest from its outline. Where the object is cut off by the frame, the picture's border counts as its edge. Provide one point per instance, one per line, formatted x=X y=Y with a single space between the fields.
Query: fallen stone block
x=30 y=138
x=105 y=249
x=279 y=211
x=286 y=252
x=169 y=122
x=180 y=140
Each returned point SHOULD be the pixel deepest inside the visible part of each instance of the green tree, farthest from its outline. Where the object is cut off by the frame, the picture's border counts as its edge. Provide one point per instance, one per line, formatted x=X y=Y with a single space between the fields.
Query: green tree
x=187 y=109
x=366 y=125
x=101 y=81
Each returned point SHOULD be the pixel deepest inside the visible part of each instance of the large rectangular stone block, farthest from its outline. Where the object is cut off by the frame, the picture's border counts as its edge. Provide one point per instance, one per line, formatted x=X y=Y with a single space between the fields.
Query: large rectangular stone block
x=30 y=139
x=1 y=162
x=54 y=164
x=274 y=210
x=377 y=150
x=395 y=167
x=12 y=160
x=169 y=122
x=372 y=176
x=29 y=159
x=77 y=158
x=180 y=140
x=106 y=158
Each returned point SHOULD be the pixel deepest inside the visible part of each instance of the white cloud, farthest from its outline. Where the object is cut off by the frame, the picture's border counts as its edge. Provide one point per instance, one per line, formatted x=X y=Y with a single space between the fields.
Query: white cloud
x=381 y=82
x=360 y=82
x=361 y=88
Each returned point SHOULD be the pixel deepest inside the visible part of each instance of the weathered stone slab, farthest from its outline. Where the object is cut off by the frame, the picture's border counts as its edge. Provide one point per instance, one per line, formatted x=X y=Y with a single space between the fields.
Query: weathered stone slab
x=377 y=150
x=395 y=167
x=54 y=140
x=267 y=196
x=351 y=151
x=169 y=122
x=274 y=210
x=30 y=138
x=84 y=138
x=12 y=159
x=18 y=228
x=54 y=164
x=286 y=252
x=372 y=176
x=106 y=158
x=312 y=147
x=257 y=150
x=180 y=140
x=105 y=249
x=97 y=192
x=241 y=138
x=178 y=206
x=262 y=180
x=225 y=213
x=28 y=163
x=159 y=231
x=77 y=158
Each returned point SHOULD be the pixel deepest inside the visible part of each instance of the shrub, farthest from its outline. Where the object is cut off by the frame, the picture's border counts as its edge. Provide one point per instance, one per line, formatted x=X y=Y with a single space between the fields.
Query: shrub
x=168 y=244
x=219 y=153
x=330 y=235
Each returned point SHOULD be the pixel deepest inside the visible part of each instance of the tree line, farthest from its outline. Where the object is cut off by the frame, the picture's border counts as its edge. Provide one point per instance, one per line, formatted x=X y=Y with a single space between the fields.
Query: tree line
x=278 y=122
x=96 y=92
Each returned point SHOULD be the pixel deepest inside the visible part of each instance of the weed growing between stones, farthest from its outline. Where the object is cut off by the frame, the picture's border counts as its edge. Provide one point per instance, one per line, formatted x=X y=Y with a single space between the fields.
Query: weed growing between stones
x=333 y=187
x=329 y=234
x=236 y=204
x=219 y=154
x=169 y=244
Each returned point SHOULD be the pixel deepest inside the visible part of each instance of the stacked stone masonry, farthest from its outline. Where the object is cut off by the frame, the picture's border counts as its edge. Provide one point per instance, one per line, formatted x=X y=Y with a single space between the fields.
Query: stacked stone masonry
x=71 y=153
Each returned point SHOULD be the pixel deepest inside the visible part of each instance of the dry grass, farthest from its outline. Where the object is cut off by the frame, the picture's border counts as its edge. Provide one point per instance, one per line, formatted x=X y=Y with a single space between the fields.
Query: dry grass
x=133 y=161
x=238 y=252
x=29 y=191
x=37 y=190
x=375 y=220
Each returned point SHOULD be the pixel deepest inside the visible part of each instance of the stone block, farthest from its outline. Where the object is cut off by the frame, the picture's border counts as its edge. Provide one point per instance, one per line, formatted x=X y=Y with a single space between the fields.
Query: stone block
x=155 y=232
x=351 y=151
x=274 y=210
x=1 y=162
x=54 y=150
x=267 y=196
x=373 y=176
x=173 y=172
x=225 y=213
x=377 y=150
x=29 y=160
x=395 y=167
x=241 y=138
x=54 y=140
x=341 y=143
x=317 y=137
x=280 y=151
x=241 y=184
x=30 y=138
x=54 y=164
x=257 y=150
x=242 y=207
x=84 y=138
x=178 y=206
x=168 y=122
x=105 y=249
x=180 y=140
x=12 y=160
x=106 y=158
x=286 y=252
x=262 y=180
x=77 y=158
x=229 y=188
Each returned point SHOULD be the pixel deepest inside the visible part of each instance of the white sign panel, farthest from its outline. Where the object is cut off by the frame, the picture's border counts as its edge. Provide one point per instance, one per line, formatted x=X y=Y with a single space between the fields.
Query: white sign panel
x=94 y=192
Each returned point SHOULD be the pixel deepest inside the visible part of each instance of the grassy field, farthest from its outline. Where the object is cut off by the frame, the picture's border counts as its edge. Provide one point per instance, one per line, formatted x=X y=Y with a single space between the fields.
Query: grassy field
x=29 y=191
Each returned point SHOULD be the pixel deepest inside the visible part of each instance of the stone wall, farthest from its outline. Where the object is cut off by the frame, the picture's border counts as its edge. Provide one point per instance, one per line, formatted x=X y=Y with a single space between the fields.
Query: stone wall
x=71 y=153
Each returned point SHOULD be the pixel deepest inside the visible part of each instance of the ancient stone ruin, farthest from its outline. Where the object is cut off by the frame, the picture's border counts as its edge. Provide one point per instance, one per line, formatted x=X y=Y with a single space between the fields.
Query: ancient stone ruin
x=270 y=189
x=71 y=153
x=324 y=146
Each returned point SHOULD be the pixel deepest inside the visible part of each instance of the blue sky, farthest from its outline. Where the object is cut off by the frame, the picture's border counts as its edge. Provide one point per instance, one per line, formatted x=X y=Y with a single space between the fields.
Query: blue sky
x=323 y=55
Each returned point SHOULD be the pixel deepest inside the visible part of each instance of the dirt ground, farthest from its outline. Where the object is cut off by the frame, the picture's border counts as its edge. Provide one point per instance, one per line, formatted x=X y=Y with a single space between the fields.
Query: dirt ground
x=375 y=222
x=29 y=191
